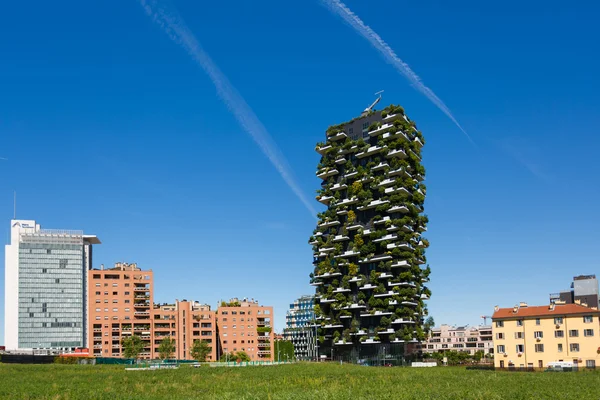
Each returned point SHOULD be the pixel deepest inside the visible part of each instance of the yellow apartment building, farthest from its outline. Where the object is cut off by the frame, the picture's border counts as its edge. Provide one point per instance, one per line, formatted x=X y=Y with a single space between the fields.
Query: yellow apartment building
x=533 y=336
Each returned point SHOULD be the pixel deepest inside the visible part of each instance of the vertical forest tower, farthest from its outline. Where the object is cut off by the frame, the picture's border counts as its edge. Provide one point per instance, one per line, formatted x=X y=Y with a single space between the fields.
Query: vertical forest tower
x=369 y=252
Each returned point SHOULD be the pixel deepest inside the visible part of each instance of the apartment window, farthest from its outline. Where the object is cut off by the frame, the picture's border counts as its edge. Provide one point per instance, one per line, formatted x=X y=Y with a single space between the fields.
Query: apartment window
x=520 y=348
x=538 y=334
x=445 y=346
x=97 y=293
x=518 y=335
x=574 y=347
x=115 y=301
x=560 y=348
x=127 y=285
x=115 y=293
x=537 y=321
x=573 y=333
x=500 y=348
x=539 y=348
x=559 y=334
x=588 y=332
x=558 y=320
x=97 y=285
x=234 y=326
x=590 y=364
x=519 y=322
x=588 y=319
x=115 y=310
x=98 y=310
x=499 y=335
x=126 y=301
x=126 y=293
x=97 y=300
x=224 y=326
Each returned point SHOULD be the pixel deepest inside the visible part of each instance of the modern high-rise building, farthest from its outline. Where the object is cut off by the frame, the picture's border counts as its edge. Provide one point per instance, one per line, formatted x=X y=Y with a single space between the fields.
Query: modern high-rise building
x=584 y=290
x=368 y=247
x=244 y=325
x=45 y=287
x=300 y=328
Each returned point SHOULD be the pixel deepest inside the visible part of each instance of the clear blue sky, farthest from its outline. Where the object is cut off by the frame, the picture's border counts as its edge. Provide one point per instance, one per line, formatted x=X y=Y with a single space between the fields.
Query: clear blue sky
x=110 y=127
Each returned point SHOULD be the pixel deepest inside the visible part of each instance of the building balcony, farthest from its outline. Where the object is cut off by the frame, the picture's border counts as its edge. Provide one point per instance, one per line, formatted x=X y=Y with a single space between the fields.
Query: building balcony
x=380 y=257
x=359 y=333
x=355 y=279
x=401 y=264
x=368 y=286
x=376 y=314
x=370 y=151
x=382 y=129
x=339 y=186
x=373 y=204
x=386 y=237
x=340 y=238
x=387 y=182
x=340 y=160
x=328 y=224
x=345 y=316
x=380 y=166
x=316 y=284
x=342 y=343
x=338 y=136
x=333 y=326
x=407 y=228
x=402 y=321
x=388 y=294
x=397 y=134
x=388 y=331
x=324 y=199
x=347 y=202
x=385 y=275
x=409 y=303
x=97 y=329
x=341 y=290
x=328 y=275
x=401 y=246
x=350 y=175
x=141 y=313
x=402 y=284
x=424 y=297
x=398 y=190
x=326 y=250
x=354 y=306
x=370 y=341
x=327 y=172
x=323 y=149
x=382 y=221
x=400 y=171
x=397 y=153
x=400 y=209
x=326 y=300
x=348 y=253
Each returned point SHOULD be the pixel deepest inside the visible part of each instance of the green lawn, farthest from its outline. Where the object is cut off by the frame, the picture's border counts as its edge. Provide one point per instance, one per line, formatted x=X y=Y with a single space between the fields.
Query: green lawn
x=299 y=381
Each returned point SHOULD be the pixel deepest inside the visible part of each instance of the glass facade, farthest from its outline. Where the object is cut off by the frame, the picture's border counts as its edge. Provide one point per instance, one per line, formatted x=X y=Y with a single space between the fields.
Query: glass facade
x=51 y=291
x=300 y=328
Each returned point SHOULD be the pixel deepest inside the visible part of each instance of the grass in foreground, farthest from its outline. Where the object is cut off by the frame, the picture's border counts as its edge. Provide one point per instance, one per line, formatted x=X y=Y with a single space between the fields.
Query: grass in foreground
x=299 y=381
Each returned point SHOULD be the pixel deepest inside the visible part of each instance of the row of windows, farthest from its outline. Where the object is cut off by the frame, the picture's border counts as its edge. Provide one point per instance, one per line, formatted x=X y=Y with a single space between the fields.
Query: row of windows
x=539 y=348
x=235 y=327
x=557 y=334
x=241 y=334
x=259 y=312
x=557 y=320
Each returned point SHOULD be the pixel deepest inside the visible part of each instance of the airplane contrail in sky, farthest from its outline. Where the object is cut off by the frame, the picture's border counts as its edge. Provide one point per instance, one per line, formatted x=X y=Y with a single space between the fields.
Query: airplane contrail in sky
x=339 y=8
x=175 y=27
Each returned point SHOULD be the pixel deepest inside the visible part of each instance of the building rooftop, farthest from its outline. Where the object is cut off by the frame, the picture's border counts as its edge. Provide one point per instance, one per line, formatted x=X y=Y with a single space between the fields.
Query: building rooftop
x=525 y=311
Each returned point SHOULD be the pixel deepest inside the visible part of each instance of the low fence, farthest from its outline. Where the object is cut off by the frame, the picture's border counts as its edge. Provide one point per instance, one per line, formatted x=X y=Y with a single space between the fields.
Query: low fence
x=27 y=359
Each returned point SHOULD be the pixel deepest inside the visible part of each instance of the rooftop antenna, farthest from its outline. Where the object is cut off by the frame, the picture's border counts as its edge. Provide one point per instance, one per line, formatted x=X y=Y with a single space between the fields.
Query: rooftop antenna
x=370 y=108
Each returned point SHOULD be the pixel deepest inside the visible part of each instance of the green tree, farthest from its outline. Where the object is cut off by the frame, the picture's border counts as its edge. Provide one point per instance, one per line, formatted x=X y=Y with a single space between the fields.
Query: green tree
x=132 y=346
x=200 y=349
x=428 y=325
x=166 y=348
x=478 y=355
x=284 y=350
x=242 y=356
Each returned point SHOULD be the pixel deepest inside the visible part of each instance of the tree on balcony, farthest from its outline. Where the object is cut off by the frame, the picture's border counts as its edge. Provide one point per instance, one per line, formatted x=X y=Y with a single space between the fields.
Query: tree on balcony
x=166 y=348
x=200 y=350
x=132 y=346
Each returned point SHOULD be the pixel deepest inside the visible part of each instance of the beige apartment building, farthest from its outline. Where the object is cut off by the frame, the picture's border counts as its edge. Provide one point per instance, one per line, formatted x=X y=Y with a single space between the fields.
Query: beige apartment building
x=246 y=326
x=462 y=338
x=533 y=336
x=119 y=304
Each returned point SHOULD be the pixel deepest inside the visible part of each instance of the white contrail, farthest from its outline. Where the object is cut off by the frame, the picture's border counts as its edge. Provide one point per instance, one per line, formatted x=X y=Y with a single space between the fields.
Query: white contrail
x=3 y=159
x=339 y=8
x=176 y=28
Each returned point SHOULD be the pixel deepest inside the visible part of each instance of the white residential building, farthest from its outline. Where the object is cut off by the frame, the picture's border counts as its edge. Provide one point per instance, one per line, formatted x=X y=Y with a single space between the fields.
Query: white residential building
x=462 y=338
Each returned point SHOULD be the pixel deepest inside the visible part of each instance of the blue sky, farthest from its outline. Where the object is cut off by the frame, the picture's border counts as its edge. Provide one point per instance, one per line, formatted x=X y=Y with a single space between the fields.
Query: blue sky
x=111 y=127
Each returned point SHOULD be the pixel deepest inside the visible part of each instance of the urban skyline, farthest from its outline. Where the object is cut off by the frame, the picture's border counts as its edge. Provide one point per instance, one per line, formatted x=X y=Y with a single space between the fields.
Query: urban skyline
x=159 y=169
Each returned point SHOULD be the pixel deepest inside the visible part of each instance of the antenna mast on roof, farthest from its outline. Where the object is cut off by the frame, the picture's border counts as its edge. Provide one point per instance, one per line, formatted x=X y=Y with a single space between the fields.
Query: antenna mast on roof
x=370 y=108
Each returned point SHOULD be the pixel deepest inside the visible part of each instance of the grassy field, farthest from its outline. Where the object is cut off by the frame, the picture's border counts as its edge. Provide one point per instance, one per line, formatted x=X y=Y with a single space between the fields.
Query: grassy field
x=299 y=381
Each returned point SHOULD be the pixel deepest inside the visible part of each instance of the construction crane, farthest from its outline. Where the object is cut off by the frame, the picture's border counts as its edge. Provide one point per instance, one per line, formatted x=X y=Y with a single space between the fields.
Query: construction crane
x=485 y=318
x=368 y=109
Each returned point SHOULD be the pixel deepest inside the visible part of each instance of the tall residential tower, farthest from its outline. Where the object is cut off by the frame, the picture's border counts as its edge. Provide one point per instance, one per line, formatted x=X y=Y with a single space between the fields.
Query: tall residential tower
x=45 y=287
x=300 y=328
x=369 y=254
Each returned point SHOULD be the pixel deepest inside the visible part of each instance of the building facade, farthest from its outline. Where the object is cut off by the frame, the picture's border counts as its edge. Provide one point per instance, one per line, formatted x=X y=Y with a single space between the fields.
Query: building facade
x=462 y=338
x=45 y=287
x=368 y=247
x=300 y=328
x=120 y=305
x=533 y=336
x=244 y=325
x=584 y=290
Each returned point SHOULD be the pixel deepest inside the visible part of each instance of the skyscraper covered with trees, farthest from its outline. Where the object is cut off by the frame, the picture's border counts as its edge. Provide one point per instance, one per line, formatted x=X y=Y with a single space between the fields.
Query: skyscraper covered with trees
x=369 y=261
